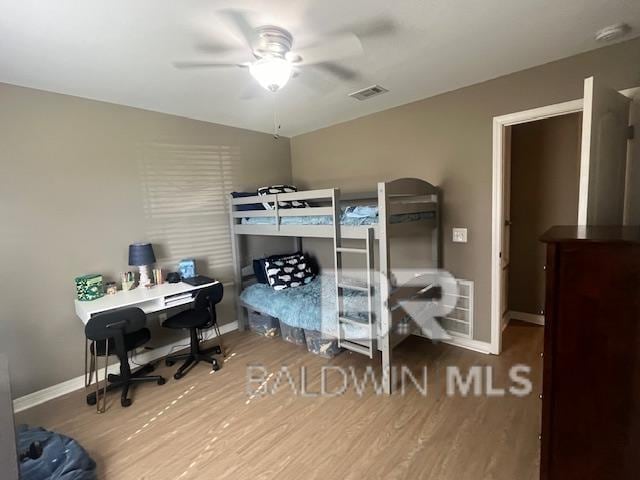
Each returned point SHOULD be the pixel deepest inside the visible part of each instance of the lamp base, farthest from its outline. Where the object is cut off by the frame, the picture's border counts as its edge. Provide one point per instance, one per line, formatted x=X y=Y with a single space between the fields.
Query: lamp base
x=145 y=281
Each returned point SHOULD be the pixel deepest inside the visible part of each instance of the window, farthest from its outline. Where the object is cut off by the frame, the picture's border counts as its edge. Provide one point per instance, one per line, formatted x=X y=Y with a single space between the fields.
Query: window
x=184 y=195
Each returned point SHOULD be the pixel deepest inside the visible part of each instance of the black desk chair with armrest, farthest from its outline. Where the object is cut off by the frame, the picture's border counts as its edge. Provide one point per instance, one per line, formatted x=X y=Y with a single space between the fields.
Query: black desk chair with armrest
x=117 y=332
x=201 y=316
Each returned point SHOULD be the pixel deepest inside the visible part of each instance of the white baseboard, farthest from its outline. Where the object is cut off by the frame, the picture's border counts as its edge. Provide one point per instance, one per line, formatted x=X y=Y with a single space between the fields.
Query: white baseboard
x=475 y=345
x=525 y=317
x=505 y=321
x=68 y=386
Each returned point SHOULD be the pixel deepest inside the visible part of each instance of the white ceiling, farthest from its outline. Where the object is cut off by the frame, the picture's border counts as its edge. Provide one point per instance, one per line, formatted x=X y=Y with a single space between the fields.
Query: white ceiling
x=121 y=51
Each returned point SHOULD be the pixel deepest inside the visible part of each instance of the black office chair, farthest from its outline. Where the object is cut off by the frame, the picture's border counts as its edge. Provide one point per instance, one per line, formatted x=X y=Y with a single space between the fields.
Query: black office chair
x=117 y=332
x=201 y=316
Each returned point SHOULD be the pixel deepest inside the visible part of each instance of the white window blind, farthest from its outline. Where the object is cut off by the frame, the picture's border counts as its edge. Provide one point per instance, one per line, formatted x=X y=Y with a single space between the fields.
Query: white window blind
x=185 y=189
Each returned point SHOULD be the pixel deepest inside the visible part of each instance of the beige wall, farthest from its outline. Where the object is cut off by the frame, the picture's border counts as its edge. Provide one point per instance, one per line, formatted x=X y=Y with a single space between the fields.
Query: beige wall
x=79 y=181
x=447 y=140
x=545 y=174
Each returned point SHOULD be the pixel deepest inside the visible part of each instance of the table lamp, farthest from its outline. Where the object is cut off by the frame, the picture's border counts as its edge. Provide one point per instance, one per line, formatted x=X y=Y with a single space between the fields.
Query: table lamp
x=141 y=255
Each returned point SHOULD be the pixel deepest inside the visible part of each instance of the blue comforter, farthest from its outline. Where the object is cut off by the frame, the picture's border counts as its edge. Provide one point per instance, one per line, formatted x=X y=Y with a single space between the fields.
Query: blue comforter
x=311 y=306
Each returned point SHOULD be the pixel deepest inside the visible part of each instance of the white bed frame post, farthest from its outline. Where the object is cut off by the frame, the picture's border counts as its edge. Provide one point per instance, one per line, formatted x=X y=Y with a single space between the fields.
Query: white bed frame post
x=385 y=315
x=371 y=265
x=436 y=239
x=237 y=270
x=337 y=258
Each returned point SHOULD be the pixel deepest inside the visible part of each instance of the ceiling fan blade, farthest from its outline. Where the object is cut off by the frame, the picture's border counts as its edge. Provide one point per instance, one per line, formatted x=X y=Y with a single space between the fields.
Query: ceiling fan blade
x=219 y=49
x=252 y=91
x=314 y=83
x=338 y=71
x=186 y=65
x=377 y=27
x=238 y=20
x=341 y=46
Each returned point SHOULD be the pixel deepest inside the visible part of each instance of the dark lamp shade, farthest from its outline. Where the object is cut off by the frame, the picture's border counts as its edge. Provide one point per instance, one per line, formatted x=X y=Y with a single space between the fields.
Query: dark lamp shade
x=141 y=254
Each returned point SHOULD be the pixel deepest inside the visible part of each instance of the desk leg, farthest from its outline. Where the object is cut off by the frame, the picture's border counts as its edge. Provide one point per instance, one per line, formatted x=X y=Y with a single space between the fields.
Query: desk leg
x=88 y=375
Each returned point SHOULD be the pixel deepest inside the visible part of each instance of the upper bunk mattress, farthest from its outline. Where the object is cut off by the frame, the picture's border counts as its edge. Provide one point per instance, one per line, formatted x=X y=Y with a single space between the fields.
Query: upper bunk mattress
x=353 y=216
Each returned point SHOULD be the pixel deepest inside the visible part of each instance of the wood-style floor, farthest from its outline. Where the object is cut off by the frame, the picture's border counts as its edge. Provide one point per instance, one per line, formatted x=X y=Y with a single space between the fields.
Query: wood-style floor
x=205 y=426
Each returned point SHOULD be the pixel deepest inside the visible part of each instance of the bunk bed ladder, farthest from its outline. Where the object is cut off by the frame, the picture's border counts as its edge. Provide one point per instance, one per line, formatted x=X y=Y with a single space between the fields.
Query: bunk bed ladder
x=365 y=346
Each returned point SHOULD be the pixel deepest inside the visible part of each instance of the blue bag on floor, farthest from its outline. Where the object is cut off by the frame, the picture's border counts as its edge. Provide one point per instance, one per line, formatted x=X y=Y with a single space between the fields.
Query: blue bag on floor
x=62 y=457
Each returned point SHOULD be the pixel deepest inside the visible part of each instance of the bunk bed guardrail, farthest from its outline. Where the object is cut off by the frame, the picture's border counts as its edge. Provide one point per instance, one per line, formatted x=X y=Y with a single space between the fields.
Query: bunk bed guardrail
x=423 y=205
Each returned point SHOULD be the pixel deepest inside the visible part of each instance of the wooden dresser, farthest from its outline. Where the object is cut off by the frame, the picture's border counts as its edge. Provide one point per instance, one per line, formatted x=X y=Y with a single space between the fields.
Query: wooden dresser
x=591 y=385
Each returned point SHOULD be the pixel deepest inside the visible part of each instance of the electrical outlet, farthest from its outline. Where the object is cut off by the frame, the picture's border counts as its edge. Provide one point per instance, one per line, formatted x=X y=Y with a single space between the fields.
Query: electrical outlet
x=460 y=235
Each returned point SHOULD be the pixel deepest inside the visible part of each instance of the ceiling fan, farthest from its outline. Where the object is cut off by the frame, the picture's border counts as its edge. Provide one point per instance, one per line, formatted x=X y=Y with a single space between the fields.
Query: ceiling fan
x=274 y=59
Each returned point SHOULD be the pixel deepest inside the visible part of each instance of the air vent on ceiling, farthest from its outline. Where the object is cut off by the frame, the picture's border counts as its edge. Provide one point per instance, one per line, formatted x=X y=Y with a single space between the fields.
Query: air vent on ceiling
x=368 y=92
x=612 y=32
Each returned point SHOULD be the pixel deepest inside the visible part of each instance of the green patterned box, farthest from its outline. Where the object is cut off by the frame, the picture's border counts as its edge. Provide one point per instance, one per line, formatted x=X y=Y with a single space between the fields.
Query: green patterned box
x=89 y=287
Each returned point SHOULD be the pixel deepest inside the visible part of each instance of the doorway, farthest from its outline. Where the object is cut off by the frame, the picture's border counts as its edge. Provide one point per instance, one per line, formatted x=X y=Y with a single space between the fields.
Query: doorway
x=609 y=190
x=543 y=185
x=500 y=204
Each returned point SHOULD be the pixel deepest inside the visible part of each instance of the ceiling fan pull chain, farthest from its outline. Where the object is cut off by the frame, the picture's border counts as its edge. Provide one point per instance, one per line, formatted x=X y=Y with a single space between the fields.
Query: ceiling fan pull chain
x=276 y=123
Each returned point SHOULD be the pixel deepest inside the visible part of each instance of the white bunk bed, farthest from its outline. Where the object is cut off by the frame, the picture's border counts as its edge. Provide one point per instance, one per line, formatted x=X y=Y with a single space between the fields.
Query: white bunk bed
x=405 y=207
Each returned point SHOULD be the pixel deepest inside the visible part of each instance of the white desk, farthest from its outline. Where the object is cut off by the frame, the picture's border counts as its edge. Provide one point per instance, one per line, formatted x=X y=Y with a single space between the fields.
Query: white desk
x=155 y=299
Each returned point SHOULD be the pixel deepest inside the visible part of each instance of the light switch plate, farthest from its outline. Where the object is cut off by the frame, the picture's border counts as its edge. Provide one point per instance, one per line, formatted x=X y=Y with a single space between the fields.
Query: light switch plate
x=460 y=235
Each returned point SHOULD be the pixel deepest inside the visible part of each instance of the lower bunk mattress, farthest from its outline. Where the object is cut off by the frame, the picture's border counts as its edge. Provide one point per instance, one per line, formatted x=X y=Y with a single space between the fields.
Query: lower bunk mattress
x=311 y=307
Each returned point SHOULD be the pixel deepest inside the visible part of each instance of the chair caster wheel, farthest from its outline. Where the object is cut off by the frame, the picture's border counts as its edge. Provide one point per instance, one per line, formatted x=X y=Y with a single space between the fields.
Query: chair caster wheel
x=169 y=363
x=161 y=381
x=217 y=351
x=177 y=376
x=125 y=402
x=215 y=367
x=91 y=401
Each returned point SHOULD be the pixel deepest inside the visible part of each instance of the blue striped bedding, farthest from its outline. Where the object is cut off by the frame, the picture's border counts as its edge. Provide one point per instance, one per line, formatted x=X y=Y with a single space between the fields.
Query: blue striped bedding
x=352 y=215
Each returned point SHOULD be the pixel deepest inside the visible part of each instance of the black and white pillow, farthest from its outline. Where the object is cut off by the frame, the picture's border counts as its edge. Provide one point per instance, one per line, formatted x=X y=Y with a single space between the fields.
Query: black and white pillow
x=259 y=268
x=281 y=204
x=288 y=272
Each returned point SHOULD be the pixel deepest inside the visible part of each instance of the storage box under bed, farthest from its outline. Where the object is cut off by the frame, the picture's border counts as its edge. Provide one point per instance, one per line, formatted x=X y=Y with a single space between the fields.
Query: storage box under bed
x=263 y=324
x=315 y=342
x=321 y=344
x=293 y=335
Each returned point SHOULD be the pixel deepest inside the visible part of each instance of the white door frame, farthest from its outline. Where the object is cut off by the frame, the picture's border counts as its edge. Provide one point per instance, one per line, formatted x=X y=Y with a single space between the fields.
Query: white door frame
x=497 y=217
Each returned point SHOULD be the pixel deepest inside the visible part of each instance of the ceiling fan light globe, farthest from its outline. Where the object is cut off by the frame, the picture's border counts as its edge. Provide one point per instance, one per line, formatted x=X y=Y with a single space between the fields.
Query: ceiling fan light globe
x=271 y=73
